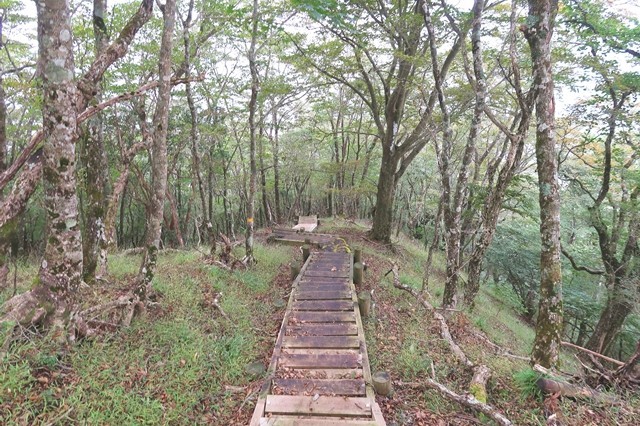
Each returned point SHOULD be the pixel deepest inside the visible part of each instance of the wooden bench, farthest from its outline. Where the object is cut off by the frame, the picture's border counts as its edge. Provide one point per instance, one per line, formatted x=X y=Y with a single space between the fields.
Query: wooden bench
x=307 y=223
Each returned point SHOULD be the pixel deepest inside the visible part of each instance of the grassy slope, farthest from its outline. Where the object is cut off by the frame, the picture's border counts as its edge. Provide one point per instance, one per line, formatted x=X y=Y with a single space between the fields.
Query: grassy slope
x=182 y=363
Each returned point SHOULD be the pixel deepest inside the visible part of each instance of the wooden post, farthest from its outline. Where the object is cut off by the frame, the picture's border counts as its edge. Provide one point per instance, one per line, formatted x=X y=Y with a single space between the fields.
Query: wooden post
x=382 y=383
x=306 y=252
x=364 y=302
x=357 y=273
x=295 y=270
x=357 y=256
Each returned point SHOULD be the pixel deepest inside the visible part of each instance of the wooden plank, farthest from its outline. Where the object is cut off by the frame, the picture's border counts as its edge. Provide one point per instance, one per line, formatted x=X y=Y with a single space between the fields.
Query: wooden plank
x=325 y=280
x=328 y=373
x=324 y=405
x=339 y=329
x=321 y=351
x=348 y=387
x=320 y=361
x=308 y=219
x=307 y=227
x=325 y=288
x=327 y=274
x=321 y=342
x=322 y=305
x=302 y=316
x=301 y=421
x=322 y=295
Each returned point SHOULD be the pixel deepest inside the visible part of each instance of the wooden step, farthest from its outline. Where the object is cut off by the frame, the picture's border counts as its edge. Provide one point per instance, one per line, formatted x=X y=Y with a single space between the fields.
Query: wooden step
x=322 y=406
x=322 y=373
x=330 y=317
x=325 y=287
x=326 y=274
x=339 y=342
x=320 y=361
x=322 y=305
x=322 y=295
x=339 y=329
x=302 y=421
x=346 y=387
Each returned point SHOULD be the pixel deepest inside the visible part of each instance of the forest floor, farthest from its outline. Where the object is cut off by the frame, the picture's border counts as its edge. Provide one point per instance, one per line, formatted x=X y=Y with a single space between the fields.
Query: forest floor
x=183 y=362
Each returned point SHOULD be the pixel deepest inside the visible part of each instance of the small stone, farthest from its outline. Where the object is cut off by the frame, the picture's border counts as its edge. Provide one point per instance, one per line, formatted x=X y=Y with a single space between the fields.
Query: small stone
x=255 y=368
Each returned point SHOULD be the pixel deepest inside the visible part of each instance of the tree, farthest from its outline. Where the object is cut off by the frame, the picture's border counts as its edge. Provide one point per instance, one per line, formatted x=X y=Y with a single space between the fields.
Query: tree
x=95 y=162
x=608 y=122
x=538 y=32
x=160 y=128
x=384 y=86
x=66 y=103
x=253 y=129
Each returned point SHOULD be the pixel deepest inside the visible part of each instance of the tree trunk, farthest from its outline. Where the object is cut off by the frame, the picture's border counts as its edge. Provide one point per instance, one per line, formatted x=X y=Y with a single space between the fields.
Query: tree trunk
x=383 y=214
x=159 y=154
x=60 y=272
x=194 y=134
x=276 y=164
x=546 y=345
x=619 y=305
x=4 y=237
x=96 y=168
x=253 y=104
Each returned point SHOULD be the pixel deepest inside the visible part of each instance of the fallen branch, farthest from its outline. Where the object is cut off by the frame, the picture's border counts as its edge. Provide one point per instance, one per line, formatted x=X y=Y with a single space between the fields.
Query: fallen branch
x=596 y=354
x=499 y=349
x=466 y=400
x=444 y=327
x=216 y=304
x=552 y=385
x=481 y=373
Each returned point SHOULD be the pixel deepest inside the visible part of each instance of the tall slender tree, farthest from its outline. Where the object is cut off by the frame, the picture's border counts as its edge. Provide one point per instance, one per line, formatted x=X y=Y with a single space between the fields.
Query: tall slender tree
x=538 y=32
x=159 y=165
x=95 y=161
x=253 y=130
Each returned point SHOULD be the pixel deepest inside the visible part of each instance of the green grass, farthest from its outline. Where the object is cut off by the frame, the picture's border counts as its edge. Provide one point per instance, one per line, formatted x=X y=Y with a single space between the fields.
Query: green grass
x=170 y=367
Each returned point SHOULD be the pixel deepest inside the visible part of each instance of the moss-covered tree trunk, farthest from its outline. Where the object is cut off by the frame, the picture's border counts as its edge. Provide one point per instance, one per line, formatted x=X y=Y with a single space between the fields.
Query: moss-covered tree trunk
x=60 y=272
x=383 y=214
x=159 y=166
x=96 y=168
x=4 y=237
x=539 y=31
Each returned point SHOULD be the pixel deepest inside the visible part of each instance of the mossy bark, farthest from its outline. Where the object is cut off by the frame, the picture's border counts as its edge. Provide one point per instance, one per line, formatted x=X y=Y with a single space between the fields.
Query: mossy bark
x=155 y=208
x=546 y=345
x=96 y=168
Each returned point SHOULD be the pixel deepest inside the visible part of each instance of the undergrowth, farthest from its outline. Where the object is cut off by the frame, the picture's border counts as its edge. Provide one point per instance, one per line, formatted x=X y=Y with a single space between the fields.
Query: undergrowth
x=174 y=365
x=183 y=363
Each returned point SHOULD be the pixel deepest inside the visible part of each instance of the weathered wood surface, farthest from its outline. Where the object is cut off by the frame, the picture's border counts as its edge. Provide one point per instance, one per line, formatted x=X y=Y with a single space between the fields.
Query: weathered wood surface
x=319 y=372
x=338 y=329
x=307 y=223
x=347 y=387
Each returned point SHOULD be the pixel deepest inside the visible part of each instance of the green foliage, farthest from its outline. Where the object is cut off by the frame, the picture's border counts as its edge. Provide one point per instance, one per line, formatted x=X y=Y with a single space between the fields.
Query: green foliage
x=525 y=381
x=413 y=361
x=15 y=378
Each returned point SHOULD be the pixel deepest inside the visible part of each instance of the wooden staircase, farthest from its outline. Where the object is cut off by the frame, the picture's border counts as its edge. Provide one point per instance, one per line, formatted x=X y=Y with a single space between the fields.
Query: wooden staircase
x=319 y=372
